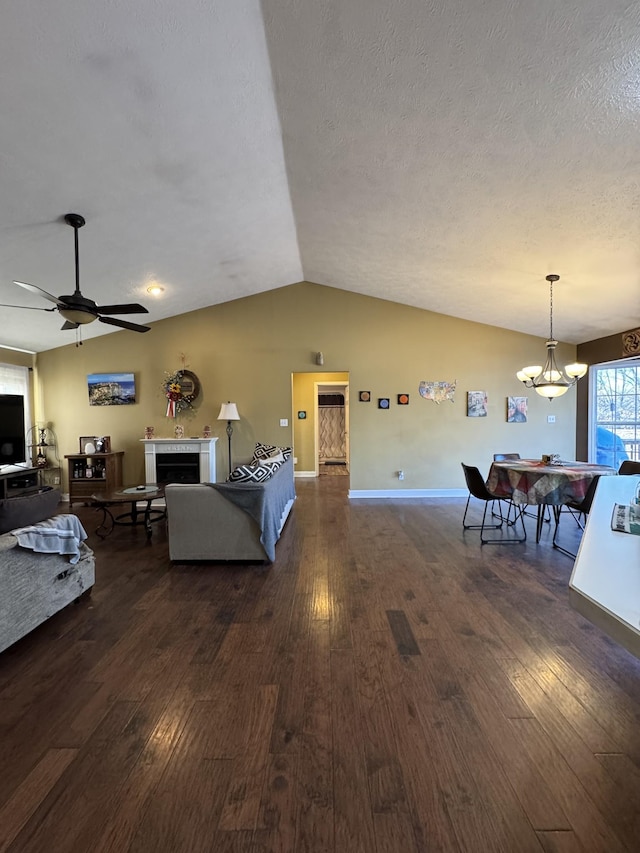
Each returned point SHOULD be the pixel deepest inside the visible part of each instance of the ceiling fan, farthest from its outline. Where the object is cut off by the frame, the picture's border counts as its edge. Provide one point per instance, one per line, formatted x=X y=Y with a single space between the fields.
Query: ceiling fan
x=76 y=309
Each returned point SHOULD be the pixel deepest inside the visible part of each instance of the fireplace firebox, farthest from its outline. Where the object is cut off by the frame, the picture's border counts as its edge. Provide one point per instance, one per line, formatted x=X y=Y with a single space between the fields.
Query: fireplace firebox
x=184 y=460
x=177 y=468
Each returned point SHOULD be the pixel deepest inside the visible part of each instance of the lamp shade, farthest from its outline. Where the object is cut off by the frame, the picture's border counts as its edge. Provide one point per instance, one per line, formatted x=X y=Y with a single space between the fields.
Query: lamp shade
x=228 y=412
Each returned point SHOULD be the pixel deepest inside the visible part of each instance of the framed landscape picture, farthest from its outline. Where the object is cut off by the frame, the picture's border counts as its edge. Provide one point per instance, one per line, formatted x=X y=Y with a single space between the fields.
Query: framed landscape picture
x=111 y=389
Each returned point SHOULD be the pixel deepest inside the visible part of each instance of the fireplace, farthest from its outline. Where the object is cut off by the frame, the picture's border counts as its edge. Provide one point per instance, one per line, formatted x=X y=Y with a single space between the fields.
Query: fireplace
x=177 y=468
x=180 y=460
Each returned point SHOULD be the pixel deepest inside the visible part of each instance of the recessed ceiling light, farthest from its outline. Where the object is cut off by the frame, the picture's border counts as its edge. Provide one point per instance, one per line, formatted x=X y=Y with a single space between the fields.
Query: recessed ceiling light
x=155 y=289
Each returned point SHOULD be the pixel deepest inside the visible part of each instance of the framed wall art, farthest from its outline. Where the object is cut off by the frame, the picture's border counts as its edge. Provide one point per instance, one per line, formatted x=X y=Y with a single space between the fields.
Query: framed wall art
x=111 y=389
x=477 y=404
x=517 y=410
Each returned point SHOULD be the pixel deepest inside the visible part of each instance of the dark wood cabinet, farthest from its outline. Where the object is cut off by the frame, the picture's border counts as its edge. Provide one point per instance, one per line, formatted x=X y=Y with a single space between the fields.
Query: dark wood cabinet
x=106 y=470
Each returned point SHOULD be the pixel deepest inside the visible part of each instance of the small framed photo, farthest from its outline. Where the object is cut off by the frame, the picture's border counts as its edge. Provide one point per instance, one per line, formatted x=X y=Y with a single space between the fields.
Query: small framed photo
x=517 y=410
x=383 y=402
x=302 y=416
x=364 y=396
x=87 y=440
x=477 y=404
x=403 y=399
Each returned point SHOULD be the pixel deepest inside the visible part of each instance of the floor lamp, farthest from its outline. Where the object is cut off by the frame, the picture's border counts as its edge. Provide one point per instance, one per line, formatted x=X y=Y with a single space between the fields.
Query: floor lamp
x=228 y=413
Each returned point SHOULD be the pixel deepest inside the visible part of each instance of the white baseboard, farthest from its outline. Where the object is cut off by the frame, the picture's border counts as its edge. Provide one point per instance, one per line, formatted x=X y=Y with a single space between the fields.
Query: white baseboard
x=305 y=474
x=407 y=493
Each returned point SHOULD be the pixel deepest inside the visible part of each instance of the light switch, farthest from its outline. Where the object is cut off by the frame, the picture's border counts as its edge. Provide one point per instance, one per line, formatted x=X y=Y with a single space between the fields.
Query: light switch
x=551 y=419
x=284 y=421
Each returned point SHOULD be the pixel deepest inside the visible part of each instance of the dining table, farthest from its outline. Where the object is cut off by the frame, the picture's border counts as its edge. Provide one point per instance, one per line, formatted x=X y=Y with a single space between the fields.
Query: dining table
x=534 y=482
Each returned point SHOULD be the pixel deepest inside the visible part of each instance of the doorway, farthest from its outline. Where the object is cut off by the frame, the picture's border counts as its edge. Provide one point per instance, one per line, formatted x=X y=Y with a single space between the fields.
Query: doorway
x=320 y=426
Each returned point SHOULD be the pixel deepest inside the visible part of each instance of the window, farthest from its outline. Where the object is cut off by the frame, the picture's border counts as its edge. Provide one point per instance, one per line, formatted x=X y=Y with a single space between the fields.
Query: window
x=15 y=380
x=614 y=412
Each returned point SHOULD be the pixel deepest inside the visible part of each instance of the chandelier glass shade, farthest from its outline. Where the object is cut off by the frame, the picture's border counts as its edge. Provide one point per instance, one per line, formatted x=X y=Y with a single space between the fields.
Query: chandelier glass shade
x=548 y=380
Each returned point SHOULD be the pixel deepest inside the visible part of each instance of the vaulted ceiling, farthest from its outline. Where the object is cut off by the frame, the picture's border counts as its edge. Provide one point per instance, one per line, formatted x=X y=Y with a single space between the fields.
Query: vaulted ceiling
x=439 y=153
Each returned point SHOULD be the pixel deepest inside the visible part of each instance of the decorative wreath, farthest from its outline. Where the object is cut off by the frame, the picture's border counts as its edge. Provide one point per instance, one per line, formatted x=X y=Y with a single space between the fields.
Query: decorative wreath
x=181 y=388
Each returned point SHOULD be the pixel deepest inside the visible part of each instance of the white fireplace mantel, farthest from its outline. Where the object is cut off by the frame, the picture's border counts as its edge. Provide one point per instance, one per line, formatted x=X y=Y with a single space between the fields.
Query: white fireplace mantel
x=204 y=447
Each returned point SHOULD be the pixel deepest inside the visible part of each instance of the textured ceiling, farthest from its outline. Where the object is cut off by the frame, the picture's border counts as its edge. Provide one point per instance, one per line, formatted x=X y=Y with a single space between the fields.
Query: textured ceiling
x=443 y=154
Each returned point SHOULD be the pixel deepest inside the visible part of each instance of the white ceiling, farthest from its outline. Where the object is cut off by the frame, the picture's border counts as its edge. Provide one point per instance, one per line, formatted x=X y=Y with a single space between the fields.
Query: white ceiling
x=443 y=154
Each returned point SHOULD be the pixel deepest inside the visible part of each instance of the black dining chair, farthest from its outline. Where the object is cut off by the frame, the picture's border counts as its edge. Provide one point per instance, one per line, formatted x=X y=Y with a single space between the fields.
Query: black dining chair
x=579 y=510
x=629 y=467
x=478 y=489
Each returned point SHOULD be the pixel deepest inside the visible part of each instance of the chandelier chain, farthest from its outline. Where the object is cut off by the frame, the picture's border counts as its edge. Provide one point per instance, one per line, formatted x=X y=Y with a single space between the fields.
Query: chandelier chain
x=551 y=309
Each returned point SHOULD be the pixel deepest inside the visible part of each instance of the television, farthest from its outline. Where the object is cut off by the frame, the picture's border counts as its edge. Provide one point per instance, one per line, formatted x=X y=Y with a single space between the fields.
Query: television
x=13 y=450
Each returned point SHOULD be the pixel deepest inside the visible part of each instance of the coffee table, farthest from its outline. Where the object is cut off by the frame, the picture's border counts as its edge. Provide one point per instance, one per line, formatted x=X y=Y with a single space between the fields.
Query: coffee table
x=133 y=495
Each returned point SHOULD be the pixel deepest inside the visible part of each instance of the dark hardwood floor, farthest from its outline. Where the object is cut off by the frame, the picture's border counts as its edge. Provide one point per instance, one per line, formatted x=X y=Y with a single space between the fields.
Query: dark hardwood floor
x=387 y=686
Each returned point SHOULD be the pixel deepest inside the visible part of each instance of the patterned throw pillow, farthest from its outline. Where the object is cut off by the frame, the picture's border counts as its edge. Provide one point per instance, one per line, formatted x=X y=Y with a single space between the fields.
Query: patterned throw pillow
x=263 y=451
x=252 y=473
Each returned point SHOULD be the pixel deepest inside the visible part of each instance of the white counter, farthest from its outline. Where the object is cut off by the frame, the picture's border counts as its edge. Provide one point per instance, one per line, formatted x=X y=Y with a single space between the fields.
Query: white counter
x=605 y=582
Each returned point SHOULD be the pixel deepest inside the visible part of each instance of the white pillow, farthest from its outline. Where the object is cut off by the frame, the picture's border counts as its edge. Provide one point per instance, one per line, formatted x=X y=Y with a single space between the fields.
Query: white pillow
x=277 y=457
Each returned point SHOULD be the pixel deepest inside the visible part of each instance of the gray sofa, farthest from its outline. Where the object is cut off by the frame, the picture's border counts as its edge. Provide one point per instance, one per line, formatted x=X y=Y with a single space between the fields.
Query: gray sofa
x=229 y=521
x=34 y=586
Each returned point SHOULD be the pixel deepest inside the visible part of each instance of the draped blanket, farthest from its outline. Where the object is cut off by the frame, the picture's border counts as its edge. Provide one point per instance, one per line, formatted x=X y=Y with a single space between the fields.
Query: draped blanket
x=61 y=534
x=265 y=502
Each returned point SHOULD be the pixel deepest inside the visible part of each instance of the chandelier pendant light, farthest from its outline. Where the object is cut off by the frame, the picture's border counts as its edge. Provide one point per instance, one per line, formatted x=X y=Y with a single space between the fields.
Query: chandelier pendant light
x=549 y=381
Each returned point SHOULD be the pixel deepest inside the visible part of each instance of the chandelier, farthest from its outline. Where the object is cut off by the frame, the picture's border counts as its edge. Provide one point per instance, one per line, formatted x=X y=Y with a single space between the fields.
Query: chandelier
x=549 y=381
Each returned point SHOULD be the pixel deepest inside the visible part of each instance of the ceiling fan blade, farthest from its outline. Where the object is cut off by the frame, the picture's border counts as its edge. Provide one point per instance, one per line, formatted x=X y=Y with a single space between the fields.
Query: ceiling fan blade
x=38 y=291
x=68 y=325
x=28 y=307
x=124 y=324
x=131 y=308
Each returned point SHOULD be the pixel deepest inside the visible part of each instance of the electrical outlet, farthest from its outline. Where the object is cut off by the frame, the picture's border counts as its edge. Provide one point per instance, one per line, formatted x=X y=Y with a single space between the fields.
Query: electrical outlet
x=284 y=421
x=401 y=475
x=56 y=480
x=551 y=419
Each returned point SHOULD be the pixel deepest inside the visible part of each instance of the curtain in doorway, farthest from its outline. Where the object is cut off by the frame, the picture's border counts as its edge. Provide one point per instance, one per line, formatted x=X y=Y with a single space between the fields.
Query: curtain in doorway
x=331 y=440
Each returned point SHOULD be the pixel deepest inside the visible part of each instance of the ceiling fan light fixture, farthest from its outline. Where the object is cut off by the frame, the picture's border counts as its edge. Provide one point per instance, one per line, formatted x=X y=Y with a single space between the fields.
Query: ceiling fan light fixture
x=75 y=315
x=549 y=381
x=155 y=289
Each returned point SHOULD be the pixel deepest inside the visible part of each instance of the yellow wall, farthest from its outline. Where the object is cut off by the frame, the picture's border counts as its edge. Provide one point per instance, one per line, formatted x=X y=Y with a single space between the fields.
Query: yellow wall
x=247 y=350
